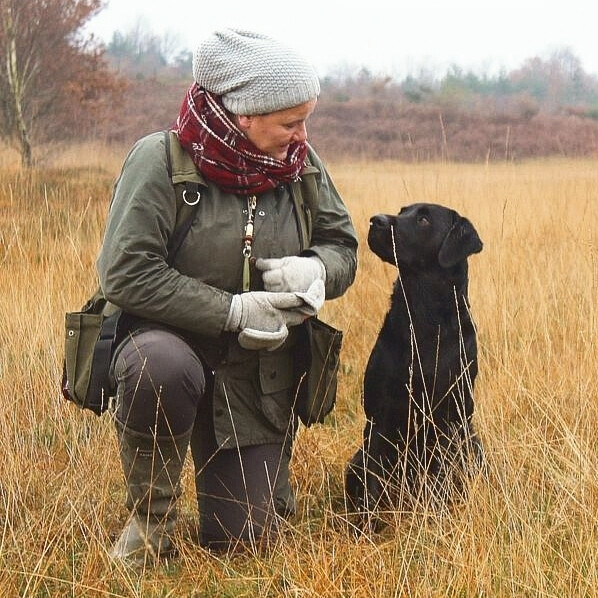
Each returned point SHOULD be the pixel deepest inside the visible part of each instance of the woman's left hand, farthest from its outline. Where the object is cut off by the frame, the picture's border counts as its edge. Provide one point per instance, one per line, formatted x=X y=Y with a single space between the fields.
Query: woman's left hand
x=292 y=274
x=313 y=299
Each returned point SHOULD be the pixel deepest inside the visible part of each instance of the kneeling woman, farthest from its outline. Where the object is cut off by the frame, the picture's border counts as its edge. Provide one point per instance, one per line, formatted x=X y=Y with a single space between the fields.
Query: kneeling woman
x=208 y=361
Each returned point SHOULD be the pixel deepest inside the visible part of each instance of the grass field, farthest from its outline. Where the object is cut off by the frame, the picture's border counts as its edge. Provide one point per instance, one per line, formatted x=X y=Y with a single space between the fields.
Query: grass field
x=529 y=529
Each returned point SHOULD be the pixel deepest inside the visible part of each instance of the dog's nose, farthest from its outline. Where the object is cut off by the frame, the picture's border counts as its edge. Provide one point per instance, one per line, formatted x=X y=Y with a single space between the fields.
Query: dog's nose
x=380 y=221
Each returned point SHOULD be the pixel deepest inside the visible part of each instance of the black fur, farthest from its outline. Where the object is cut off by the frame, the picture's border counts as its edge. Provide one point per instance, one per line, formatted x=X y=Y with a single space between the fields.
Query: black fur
x=418 y=388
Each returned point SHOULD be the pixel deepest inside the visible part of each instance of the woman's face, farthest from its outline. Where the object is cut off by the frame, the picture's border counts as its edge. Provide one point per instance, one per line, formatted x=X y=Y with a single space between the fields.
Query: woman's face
x=273 y=133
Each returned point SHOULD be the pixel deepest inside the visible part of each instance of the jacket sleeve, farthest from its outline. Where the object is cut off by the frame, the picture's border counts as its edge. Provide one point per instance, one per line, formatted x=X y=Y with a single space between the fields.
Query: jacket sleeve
x=132 y=266
x=333 y=237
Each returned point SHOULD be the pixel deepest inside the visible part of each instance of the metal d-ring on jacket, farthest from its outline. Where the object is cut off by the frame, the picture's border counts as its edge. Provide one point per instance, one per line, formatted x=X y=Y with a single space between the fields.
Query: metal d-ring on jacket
x=252 y=390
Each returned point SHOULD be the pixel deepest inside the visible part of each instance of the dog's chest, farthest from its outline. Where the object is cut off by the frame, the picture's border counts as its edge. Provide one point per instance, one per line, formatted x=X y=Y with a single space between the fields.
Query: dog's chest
x=427 y=347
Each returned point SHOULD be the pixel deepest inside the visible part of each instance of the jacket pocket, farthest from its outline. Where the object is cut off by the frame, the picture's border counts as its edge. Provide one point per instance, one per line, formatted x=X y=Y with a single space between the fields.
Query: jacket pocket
x=276 y=372
x=276 y=385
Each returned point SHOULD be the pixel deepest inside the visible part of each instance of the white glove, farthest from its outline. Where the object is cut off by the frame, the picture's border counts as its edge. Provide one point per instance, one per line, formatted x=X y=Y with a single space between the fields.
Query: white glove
x=263 y=318
x=313 y=298
x=311 y=302
x=291 y=274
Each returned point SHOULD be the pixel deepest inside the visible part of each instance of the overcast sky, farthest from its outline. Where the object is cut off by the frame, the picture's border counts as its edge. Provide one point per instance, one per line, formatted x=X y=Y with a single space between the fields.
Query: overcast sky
x=395 y=37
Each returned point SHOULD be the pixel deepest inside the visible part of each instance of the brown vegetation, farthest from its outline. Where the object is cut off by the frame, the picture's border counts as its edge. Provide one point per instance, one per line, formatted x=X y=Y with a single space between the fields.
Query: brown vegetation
x=388 y=127
x=544 y=108
x=529 y=529
x=378 y=129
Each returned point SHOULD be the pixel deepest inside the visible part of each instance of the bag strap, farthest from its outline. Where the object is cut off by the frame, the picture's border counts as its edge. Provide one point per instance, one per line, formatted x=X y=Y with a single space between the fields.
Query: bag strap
x=304 y=193
x=102 y=354
x=187 y=183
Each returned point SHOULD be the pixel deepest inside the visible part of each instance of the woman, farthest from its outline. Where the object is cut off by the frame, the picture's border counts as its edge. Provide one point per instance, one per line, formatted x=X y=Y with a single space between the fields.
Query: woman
x=209 y=361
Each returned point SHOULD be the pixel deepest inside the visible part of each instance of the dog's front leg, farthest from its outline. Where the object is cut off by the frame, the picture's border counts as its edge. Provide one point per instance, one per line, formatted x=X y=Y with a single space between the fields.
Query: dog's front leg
x=368 y=480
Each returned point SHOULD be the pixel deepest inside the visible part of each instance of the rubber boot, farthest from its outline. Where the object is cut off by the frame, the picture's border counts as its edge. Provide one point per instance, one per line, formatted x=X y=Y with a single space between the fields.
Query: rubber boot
x=152 y=468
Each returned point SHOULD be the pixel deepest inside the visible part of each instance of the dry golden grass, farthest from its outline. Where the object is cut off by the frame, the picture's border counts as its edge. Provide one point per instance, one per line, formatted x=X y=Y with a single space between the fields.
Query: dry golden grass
x=530 y=529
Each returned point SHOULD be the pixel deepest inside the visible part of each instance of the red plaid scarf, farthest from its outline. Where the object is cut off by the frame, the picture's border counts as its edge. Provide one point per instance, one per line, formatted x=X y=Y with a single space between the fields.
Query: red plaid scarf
x=224 y=155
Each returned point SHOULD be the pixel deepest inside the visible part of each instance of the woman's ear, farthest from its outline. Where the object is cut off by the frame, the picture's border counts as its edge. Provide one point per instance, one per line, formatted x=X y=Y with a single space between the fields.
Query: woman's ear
x=244 y=122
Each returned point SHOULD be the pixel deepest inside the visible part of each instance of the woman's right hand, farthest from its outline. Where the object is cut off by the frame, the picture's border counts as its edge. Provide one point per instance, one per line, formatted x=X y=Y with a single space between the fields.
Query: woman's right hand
x=263 y=318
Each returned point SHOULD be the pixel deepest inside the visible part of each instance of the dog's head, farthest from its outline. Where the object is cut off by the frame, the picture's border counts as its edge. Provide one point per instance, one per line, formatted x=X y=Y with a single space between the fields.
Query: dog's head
x=422 y=236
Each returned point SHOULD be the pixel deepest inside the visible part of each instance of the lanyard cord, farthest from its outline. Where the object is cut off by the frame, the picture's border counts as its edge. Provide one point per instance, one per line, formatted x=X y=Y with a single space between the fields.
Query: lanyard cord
x=248 y=240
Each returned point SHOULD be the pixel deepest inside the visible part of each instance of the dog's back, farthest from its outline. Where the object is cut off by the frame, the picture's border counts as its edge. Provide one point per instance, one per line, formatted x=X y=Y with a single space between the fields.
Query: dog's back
x=418 y=386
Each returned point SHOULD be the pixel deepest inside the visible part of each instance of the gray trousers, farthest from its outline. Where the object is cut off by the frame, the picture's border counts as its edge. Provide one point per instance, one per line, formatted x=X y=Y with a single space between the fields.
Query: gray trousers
x=163 y=389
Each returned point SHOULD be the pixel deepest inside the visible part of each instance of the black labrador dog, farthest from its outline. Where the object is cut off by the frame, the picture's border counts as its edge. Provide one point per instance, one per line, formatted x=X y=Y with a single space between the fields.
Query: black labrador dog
x=419 y=439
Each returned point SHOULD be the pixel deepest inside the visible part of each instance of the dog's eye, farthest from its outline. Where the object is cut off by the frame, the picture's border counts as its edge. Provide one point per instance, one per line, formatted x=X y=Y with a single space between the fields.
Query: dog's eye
x=423 y=220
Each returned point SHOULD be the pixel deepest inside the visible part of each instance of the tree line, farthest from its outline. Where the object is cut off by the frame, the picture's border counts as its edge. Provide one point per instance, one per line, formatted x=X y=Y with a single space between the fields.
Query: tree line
x=58 y=83
x=550 y=84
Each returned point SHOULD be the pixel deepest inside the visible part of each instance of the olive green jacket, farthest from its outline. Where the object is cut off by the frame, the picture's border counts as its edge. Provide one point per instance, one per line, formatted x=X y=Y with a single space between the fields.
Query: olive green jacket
x=252 y=401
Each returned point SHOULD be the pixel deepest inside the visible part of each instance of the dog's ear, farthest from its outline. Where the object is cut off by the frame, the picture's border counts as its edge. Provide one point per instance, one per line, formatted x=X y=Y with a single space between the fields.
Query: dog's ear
x=461 y=241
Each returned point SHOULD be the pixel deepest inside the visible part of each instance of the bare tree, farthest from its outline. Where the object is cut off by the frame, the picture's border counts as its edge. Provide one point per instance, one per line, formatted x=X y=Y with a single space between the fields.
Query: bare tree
x=17 y=74
x=50 y=74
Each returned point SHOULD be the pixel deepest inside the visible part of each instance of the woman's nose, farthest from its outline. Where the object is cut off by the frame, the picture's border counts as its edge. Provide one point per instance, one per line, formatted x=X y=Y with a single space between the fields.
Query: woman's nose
x=301 y=133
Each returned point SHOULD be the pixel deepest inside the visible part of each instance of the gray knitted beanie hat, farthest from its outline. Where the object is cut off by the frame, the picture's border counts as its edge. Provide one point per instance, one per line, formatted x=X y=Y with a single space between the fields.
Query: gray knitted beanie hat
x=253 y=73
